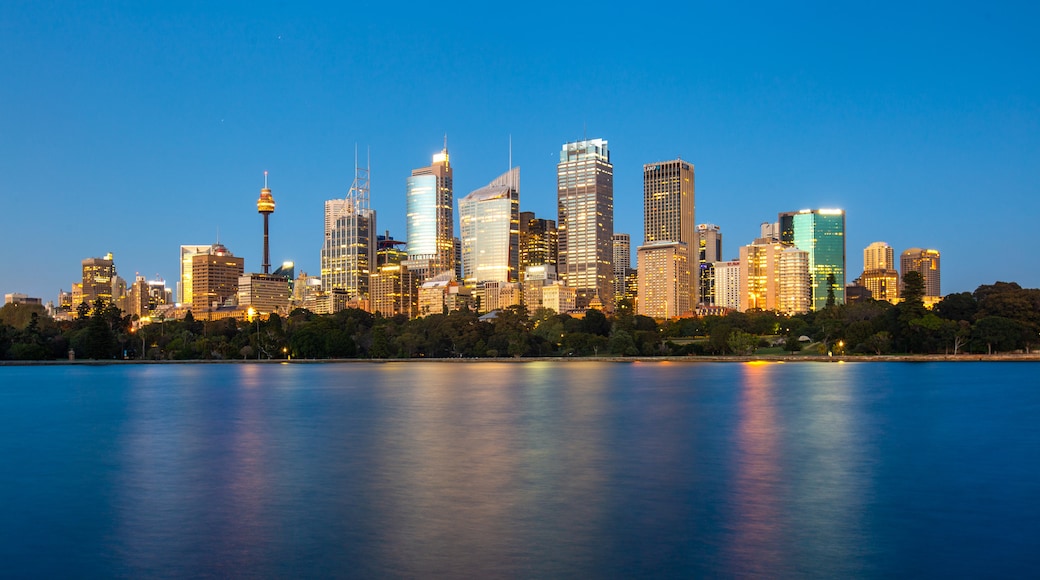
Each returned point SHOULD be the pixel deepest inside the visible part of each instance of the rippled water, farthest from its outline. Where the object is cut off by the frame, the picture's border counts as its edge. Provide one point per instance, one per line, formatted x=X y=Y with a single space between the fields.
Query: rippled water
x=539 y=469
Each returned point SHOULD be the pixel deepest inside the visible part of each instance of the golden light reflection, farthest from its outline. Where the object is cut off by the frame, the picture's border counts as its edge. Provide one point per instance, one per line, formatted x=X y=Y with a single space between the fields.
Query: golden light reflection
x=757 y=529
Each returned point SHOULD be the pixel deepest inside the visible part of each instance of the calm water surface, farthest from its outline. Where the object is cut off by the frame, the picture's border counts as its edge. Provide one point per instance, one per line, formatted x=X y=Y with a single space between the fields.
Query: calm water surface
x=535 y=469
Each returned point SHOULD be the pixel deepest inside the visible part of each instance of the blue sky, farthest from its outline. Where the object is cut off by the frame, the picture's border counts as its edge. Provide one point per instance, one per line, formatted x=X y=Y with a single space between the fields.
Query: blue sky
x=133 y=128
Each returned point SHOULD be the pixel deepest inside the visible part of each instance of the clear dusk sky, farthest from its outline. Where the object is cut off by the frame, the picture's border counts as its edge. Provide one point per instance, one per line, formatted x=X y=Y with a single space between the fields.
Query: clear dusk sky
x=135 y=127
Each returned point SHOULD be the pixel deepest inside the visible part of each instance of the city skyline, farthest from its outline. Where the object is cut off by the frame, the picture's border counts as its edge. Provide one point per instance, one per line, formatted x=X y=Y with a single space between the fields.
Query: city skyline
x=135 y=130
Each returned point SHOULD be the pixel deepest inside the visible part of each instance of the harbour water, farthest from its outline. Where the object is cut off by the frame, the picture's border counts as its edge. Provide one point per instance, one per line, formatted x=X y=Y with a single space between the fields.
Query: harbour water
x=538 y=469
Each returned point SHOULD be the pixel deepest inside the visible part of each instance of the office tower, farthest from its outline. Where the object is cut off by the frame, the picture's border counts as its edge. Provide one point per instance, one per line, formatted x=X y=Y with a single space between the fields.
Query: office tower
x=184 y=284
x=539 y=242
x=98 y=277
x=585 y=205
x=664 y=278
x=265 y=207
x=882 y=284
x=264 y=293
x=821 y=233
x=442 y=295
x=137 y=297
x=559 y=298
x=389 y=250
x=622 y=263
x=535 y=278
x=214 y=278
x=728 y=291
x=668 y=213
x=489 y=221
x=348 y=255
x=795 y=285
x=927 y=263
x=709 y=242
x=18 y=298
x=430 y=218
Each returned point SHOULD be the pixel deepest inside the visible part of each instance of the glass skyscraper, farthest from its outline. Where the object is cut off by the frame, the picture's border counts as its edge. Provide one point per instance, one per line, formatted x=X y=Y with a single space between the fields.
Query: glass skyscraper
x=490 y=222
x=430 y=219
x=821 y=233
x=585 y=202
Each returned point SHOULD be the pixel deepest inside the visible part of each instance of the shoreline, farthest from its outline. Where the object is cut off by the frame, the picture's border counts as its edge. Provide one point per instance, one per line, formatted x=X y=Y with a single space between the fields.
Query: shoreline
x=1026 y=357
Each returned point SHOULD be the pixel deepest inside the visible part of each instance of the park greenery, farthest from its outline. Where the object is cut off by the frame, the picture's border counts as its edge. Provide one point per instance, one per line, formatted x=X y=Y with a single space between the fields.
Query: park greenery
x=996 y=318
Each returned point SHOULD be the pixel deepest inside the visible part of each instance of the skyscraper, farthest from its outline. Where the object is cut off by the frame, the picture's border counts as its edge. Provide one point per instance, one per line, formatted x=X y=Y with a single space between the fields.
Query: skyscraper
x=348 y=256
x=585 y=202
x=489 y=220
x=430 y=217
x=99 y=274
x=821 y=233
x=879 y=274
x=622 y=262
x=709 y=243
x=184 y=285
x=927 y=263
x=539 y=242
x=663 y=287
x=668 y=213
x=214 y=277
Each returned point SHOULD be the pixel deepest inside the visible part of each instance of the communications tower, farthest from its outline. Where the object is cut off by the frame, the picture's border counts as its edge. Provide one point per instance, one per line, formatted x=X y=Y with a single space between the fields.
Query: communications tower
x=265 y=206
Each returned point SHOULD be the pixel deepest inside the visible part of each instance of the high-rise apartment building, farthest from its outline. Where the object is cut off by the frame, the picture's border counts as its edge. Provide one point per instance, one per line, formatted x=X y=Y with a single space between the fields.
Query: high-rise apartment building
x=879 y=274
x=879 y=256
x=668 y=214
x=539 y=242
x=430 y=217
x=709 y=242
x=821 y=233
x=760 y=275
x=489 y=220
x=585 y=202
x=664 y=279
x=214 y=277
x=926 y=262
x=795 y=283
x=728 y=291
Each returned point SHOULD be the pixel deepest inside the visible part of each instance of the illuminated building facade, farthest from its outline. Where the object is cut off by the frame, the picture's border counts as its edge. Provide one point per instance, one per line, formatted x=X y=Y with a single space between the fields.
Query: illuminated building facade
x=184 y=283
x=264 y=293
x=430 y=217
x=539 y=242
x=559 y=298
x=489 y=220
x=821 y=233
x=668 y=213
x=348 y=255
x=760 y=275
x=99 y=274
x=585 y=205
x=489 y=296
x=622 y=244
x=664 y=280
x=214 y=277
x=927 y=263
x=728 y=291
x=535 y=278
x=709 y=245
x=795 y=285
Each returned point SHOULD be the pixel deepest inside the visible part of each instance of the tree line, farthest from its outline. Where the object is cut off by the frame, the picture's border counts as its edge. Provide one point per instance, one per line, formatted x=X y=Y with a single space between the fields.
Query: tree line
x=1000 y=317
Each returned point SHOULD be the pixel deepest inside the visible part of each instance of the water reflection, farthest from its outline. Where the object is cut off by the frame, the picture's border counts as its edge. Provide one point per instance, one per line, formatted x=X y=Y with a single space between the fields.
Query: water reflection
x=532 y=469
x=758 y=543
